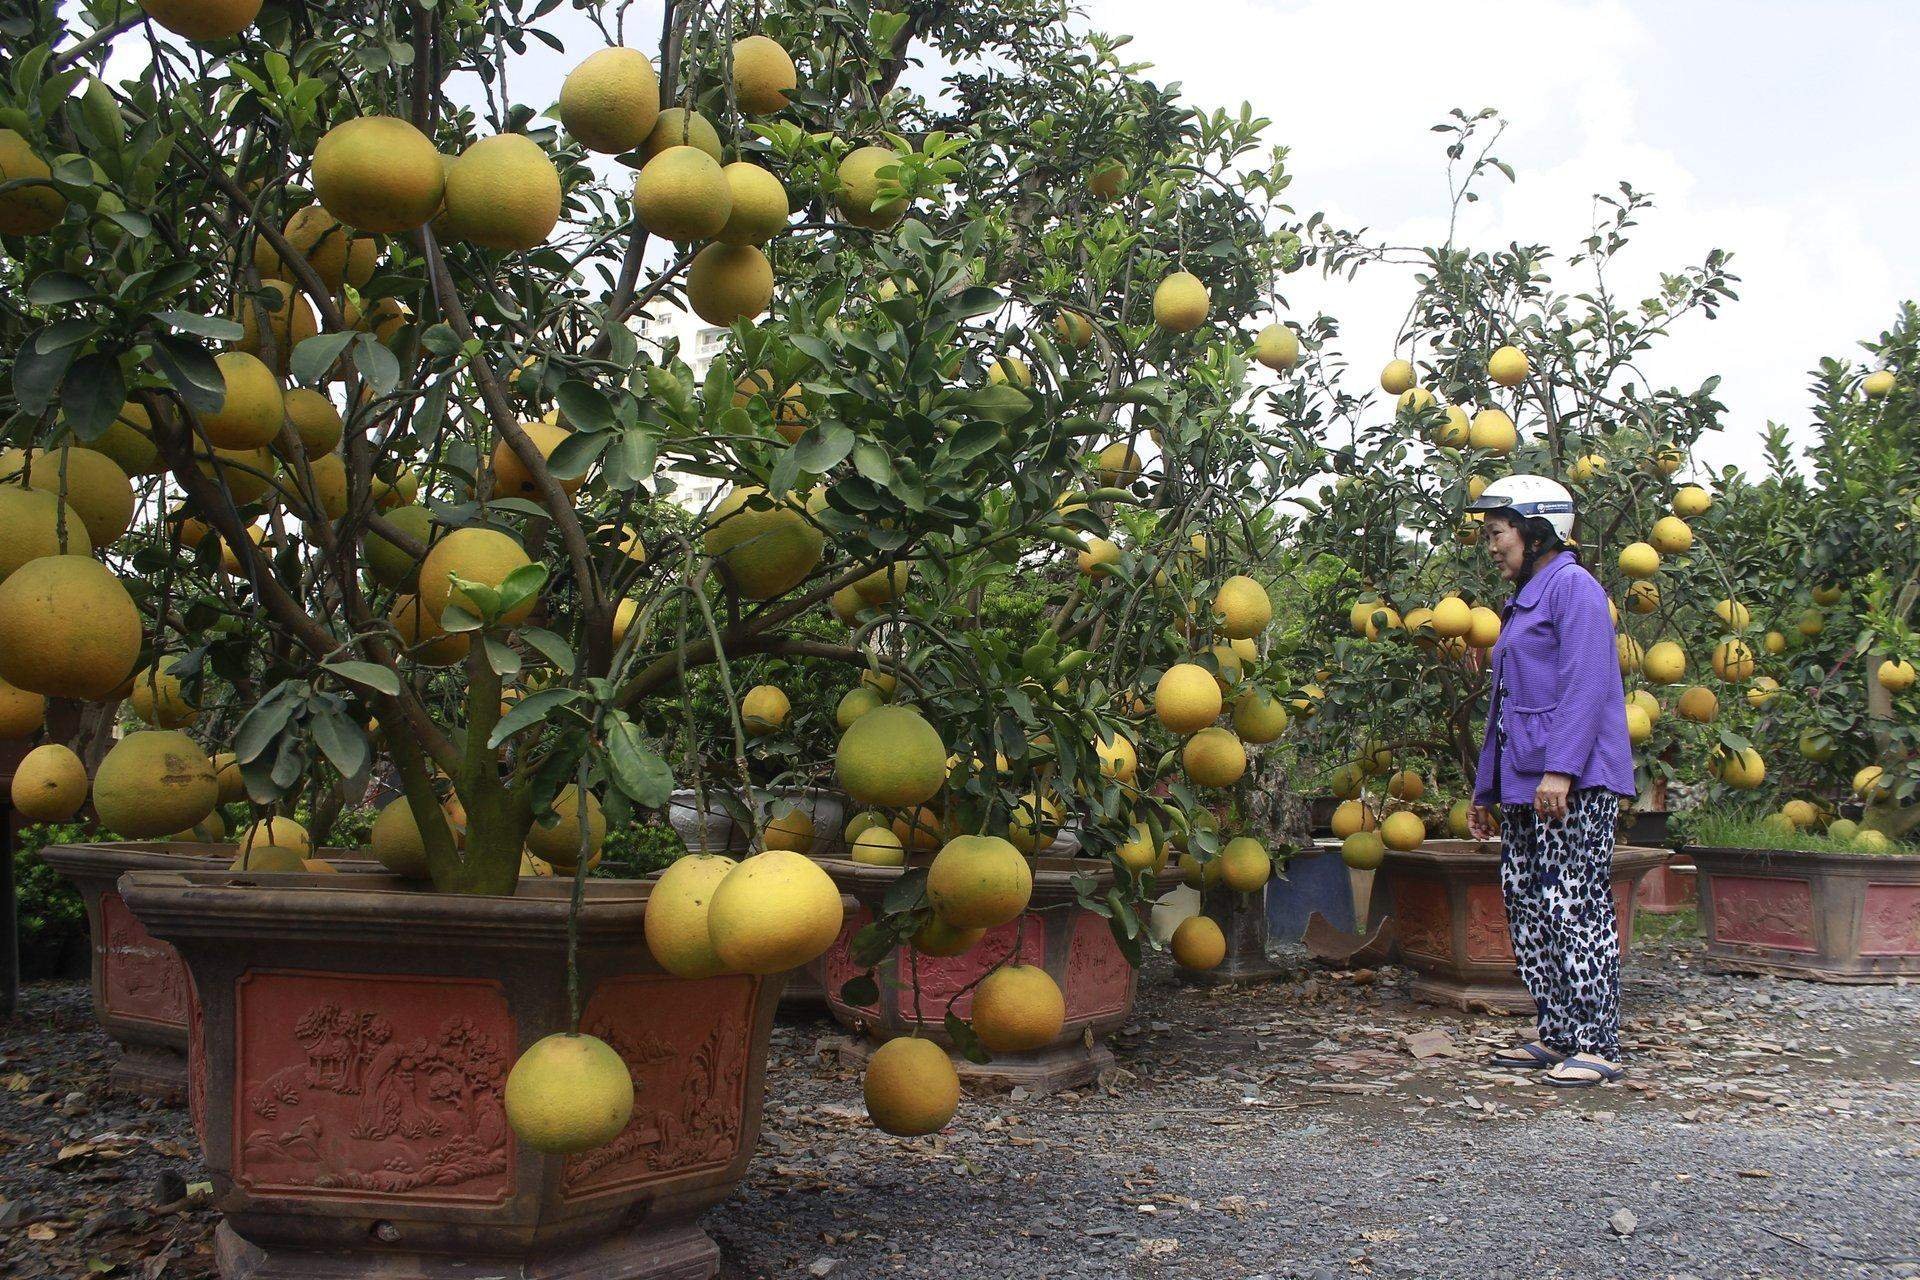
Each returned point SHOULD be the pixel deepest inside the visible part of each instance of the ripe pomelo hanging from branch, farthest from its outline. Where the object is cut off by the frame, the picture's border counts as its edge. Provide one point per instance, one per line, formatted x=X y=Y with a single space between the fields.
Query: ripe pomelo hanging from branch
x=68 y=629
x=379 y=174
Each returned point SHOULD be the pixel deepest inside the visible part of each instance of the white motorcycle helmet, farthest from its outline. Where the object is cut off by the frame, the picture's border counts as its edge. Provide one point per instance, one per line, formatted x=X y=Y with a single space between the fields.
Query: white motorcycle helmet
x=1531 y=496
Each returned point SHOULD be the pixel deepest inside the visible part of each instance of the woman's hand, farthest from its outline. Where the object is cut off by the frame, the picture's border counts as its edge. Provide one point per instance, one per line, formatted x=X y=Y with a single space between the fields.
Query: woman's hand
x=1481 y=824
x=1550 y=799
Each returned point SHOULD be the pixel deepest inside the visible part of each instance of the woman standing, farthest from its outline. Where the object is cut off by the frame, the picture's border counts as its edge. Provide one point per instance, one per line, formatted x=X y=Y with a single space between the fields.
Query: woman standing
x=1556 y=761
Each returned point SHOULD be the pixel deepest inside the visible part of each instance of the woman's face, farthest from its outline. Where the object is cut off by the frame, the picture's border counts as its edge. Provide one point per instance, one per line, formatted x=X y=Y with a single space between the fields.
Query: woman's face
x=1505 y=546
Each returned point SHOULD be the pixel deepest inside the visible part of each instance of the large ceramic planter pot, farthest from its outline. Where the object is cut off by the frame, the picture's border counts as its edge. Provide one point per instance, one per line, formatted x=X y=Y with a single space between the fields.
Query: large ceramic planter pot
x=350 y=1040
x=1837 y=917
x=1242 y=918
x=1073 y=944
x=139 y=983
x=1316 y=879
x=1450 y=923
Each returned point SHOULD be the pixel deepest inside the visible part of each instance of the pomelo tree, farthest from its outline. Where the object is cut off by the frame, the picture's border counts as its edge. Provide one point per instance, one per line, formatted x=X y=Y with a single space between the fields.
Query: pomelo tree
x=340 y=449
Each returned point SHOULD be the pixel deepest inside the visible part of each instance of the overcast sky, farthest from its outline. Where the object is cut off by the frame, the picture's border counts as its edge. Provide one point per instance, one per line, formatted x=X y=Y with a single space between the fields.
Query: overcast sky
x=1777 y=131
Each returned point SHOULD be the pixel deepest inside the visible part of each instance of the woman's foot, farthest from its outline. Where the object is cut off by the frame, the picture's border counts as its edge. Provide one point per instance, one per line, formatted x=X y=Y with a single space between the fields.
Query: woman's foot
x=1584 y=1071
x=1527 y=1057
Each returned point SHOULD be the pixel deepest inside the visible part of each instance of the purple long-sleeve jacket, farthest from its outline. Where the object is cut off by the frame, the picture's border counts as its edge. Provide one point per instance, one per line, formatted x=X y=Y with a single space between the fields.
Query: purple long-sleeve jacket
x=1556 y=691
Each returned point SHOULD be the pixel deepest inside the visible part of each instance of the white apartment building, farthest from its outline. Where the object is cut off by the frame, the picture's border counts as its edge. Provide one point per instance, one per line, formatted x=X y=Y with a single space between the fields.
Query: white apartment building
x=654 y=326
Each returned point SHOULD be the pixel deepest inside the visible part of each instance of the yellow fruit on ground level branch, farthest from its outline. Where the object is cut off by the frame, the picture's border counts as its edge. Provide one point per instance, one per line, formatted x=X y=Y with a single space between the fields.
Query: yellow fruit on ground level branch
x=773 y=912
x=568 y=1093
x=395 y=840
x=22 y=713
x=1245 y=865
x=49 y=784
x=1742 y=770
x=878 y=847
x=1351 y=816
x=1363 y=850
x=503 y=193
x=979 y=882
x=1198 y=945
x=1699 y=705
x=1181 y=302
x=1639 y=725
x=1018 y=1008
x=891 y=757
x=559 y=842
x=1402 y=831
x=68 y=629
x=677 y=928
x=911 y=1088
x=378 y=174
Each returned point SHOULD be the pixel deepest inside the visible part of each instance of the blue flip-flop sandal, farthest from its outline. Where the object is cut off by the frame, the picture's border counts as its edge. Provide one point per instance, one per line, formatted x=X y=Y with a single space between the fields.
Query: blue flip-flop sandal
x=1603 y=1074
x=1527 y=1057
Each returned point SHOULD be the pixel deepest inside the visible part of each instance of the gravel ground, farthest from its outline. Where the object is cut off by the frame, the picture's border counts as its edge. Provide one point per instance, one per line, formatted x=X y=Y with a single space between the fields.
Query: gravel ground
x=1770 y=1129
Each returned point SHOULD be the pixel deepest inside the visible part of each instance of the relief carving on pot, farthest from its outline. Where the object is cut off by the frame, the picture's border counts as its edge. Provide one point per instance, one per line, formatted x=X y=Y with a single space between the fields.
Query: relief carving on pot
x=1099 y=979
x=1423 y=919
x=1890 y=920
x=946 y=982
x=1488 y=937
x=686 y=1045
x=839 y=965
x=1763 y=912
x=143 y=978
x=357 y=1084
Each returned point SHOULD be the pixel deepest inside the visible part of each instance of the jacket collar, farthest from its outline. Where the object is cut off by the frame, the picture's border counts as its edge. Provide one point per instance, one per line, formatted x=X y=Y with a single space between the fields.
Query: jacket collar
x=1530 y=593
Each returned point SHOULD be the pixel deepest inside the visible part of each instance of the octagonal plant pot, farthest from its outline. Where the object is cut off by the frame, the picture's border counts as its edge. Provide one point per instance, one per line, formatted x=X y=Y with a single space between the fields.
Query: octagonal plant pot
x=1835 y=917
x=139 y=985
x=1073 y=944
x=350 y=1040
x=1450 y=924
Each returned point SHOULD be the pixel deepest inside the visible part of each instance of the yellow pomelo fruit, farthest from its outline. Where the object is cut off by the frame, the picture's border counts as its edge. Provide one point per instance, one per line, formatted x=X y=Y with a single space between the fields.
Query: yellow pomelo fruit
x=157 y=699
x=247 y=473
x=560 y=842
x=203 y=20
x=1018 y=1008
x=763 y=73
x=252 y=408
x=68 y=629
x=729 y=282
x=918 y=829
x=503 y=193
x=1117 y=465
x=1187 y=698
x=683 y=194
x=1346 y=780
x=30 y=525
x=789 y=828
x=1485 y=629
x=1181 y=302
x=1106 y=178
x=396 y=842
x=1493 y=431
x=892 y=757
x=1642 y=597
x=775 y=911
x=860 y=184
x=1414 y=400
x=1871 y=841
x=1699 y=705
x=1402 y=831
x=1363 y=850
x=534 y=867
x=1010 y=371
x=1138 y=852
x=315 y=420
x=1764 y=690
x=1665 y=662
x=49 y=784
x=1198 y=945
x=128 y=440
x=1118 y=759
x=1671 y=535
x=1073 y=329
x=878 y=847
x=421 y=634
x=92 y=484
x=1868 y=783
x=26 y=211
x=154 y=782
x=1812 y=623
x=22 y=713
x=678 y=127
x=568 y=1093
x=1639 y=560
x=855 y=703
x=1242 y=607
x=767 y=547
x=280 y=832
x=1406 y=785
x=1508 y=366
x=1690 y=501
x=911 y=1088
x=1277 y=347
x=1828 y=593
x=1817 y=745
x=511 y=477
x=865 y=820
x=1800 y=813
x=883 y=586
x=678 y=931
x=1878 y=384
x=278 y=312
x=378 y=174
x=611 y=101
x=764 y=710
x=1732 y=661
x=1214 y=758
x=1099 y=557
x=268 y=857
x=1586 y=467
x=1639 y=728
x=757 y=206
x=1452 y=617
x=1350 y=816
x=1895 y=675
x=1736 y=615
x=211 y=829
x=329 y=498
x=1743 y=770
x=979 y=882
x=480 y=555
x=1258 y=716
x=1396 y=377
x=1245 y=865
x=1033 y=822
x=1645 y=701
x=1775 y=643
x=336 y=254
x=1453 y=431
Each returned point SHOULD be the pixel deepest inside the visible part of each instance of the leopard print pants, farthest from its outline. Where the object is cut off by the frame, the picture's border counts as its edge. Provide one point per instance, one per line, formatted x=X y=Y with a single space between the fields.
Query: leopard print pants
x=1557 y=880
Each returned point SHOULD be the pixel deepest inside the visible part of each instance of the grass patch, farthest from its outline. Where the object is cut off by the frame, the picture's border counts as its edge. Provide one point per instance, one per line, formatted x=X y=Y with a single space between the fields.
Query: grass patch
x=1740 y=831
x=1651 y=929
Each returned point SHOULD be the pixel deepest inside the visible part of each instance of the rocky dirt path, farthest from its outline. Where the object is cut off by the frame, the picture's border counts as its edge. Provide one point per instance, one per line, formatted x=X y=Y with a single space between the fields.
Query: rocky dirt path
x=1320 y=1127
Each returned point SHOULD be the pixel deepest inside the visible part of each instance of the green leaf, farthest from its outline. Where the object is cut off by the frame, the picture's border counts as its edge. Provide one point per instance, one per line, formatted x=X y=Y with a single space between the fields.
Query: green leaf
x=91 y=395
x=440 y=340
x=529 y=711
x=52 y=288
x=571 y=458
x=906 y=893
x=549 y=646
x=369 y=675
x=265 y=722
x=861 y=991
x=975 y=438
x=342 y=742
x=521 y=585
x=1002 y=404
x=824 y=448
x=314 y=357
x=966 y=1040
x=218 y=328
x=635 y=767
x=377 y=364
x=871 y=461
x=500 y=656
x=37 y=373
x=584 y=407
